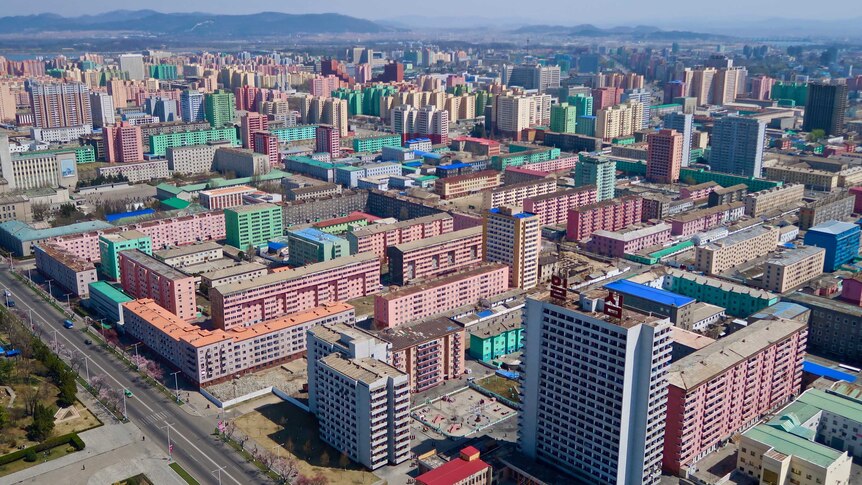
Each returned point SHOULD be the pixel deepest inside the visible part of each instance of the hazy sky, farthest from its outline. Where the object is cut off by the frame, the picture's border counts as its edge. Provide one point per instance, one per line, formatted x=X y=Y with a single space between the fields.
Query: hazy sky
x=608 y=12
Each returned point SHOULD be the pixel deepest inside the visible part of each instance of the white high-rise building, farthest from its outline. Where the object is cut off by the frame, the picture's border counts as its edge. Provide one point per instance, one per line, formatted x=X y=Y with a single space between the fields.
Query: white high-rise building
x=619 y=120
x=681 y=122
x=192 y=106
x=102 y=105
x=594 y=388
x=404 y=119
x=361 y=402
x=515 y=239
x=514 y=114
x=134 y=65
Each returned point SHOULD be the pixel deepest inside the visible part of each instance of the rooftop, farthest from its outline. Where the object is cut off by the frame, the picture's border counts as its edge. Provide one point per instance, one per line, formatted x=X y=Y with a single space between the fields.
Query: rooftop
x=66 y=258
x=629 y=318
x=563 y=193
x=739 y=237
x=110 y=291
x=657 y=295
x=411 y=335
x=633 y=234
x=239 y=189
x=366 y=371
x=701 y=366
x=791 y=444
x=311 y=233
x=692 y=340
x=253 y=208
x=454 y=471
x=352 y=217
x=809 y=301
x=233 y=271
x=25 y=232
x=834 y=227
x=722 y=284
x=297 y=273
x=441 y=239
x=333 y=333
x=697 y=214
x=793 y=256
x=187 y=250
x=376 y=228
x=469 y=176
x=449 y=279
x=154 y=265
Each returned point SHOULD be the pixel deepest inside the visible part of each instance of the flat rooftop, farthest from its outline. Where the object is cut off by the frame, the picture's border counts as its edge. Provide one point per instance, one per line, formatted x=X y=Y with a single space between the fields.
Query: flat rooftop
x=66 y=258
x=701 y=366
x=629 y=318
x=406 y=336
x=235 y=270
x=721 y=284
x=187 y=250
x=239 y=189
x=377 y=228
x=563 y=193
x=809 y=301
x=480 y=269
x=441 y=239
x=833 y=227
x=154 y=265
x=740 y=237
x=634 y=233
x=793 y=256
x=657 y=295
x=367 y=370
x=253 y=208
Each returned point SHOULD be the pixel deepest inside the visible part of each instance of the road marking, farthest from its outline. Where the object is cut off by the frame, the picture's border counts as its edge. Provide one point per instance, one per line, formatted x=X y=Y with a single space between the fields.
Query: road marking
x=151 y=410
x=155 y=417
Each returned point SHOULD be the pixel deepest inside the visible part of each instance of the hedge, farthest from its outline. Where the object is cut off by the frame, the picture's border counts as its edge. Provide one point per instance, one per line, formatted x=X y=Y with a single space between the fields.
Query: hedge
x=70 y=439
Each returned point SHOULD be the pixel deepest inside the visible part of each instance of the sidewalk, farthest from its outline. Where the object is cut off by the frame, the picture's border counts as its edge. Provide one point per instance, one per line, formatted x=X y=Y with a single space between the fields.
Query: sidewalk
x=114 y=452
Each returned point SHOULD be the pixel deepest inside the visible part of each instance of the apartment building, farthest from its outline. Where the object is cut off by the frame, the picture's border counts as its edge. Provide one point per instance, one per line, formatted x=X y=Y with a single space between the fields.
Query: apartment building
x=514 y=239
x=435 y=256
x=461 y=185
x=233 y=274
x=429 y=352
x=208 y=357
x=110 y=246
x=377 y=238
x=420 y=301
x=143 y=276
x=361 y=402
x=698 y=191
x=837 y=207
x=690 y=223
x=516 y=175
x=72 y=274
x=617 y=244
x=190 y=255
x=726 y=253
x=194 y=159
x=776 y=199
x=553 y=208
x=311 y=245
x=802 y=174
x=839 y=239
x=737 y=300
x=792 y=268
x=137 y=172
x=225 y=197
x=647 y=299
x=728 y=386
x=607 y=215
x=253 y=225
x=294 y=290
x=594 y=389
x=727 y=195
x=513 y=195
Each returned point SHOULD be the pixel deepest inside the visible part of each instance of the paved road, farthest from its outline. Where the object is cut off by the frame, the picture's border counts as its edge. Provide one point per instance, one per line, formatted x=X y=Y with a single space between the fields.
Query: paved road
x=195 y=449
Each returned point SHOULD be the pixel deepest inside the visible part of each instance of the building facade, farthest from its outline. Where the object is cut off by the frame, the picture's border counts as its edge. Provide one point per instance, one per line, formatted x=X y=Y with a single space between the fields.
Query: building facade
x=143 y=276
x=514 y=239
x=427 y=258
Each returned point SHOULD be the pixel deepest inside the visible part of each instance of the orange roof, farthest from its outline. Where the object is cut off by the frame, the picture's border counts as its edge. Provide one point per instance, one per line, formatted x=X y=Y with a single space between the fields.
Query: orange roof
x=242 y=333
x=229 y=190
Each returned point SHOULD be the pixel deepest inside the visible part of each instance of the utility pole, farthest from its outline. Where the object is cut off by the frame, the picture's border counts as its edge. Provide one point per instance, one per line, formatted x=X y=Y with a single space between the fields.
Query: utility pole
x=137 y=357
x=125 y=413
x=87 y=366
x=68 y=304
x=50 y=293
x=170 y=446
x=55 y=340
x=176 y=384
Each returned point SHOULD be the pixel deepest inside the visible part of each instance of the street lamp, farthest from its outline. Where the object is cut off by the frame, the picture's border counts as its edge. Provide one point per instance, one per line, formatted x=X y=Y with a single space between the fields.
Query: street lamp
x=50 y=293
x=137 y=357
x=176 y=384
x=170 y=446
x=67 y=301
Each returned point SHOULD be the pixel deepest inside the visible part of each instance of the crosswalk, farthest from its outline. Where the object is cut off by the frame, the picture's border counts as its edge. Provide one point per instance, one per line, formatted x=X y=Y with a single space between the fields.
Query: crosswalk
x=155 y=418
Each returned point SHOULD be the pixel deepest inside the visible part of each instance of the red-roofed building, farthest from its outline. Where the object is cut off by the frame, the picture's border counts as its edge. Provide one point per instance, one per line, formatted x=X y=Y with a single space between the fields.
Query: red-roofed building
x=467 y=469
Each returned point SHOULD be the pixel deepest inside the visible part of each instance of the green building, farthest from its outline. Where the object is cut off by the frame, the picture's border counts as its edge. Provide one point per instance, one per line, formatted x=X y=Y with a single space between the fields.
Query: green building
x=698 y=176
x=738 y=300
x=488 y=345
x=107 y=300
x=523 y=155
x=483 y=98
x=110 y=246
x=253 y=225
x=164 y=72
x=583 y=104
x=598 y=171
x=631 y=167
x=371 y=97
x=586 y=125
x=796 y=92
x=83 y=154
x=375 y=143
x=295 y=133
x=160 y=143
x=563 y=118
x=220 y=108
x=353 y=98
x=306 y=246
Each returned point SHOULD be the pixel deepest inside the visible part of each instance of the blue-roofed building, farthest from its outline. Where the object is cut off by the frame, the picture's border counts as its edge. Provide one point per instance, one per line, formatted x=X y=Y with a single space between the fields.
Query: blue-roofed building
x=306 y=246
x=421 y=144
x=827 y=372
x=646 y=299
x=839 y=239
x=124 y=215
x=20 y=238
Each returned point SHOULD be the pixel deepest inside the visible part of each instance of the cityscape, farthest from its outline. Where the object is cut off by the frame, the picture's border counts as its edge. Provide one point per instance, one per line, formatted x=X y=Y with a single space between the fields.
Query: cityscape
x=346 y=244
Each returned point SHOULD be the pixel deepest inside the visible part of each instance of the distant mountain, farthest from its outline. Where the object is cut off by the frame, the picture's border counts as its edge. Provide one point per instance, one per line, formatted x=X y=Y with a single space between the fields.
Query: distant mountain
x=589 y=30
x=194 y=24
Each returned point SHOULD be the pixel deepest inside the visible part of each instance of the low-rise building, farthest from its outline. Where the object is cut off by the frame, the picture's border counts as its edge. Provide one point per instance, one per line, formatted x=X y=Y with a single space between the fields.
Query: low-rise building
x=429 y=352
x=553 y=208
x=312 y=192
x=726 y=253
x=107 y=301
x=233 y=274
x=253 y=225
x=241 y=162
x=377 y=238
x=143 y=276
x=617 y=244
x=71 y=273
x=192 y=254
x=306 y=246
x=111 y=245
x=420 y=301
x=698 y=191
x=647 y=299
x=459 y=186
x=466 y=469
x=835 y=207
x=137 y=172
x=737 y=300
x=499 y=335
x=760 y=366
x=16 y=208
x=727 y=195
x=835 y=327
x=435 y=256
x=224 y=198
x=782 y=198
x=793 y=268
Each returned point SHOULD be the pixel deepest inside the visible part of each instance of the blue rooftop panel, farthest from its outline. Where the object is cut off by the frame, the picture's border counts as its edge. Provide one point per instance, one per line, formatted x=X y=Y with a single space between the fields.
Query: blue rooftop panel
x=834 y=227
x=657 y=295
x=123 y=215
x=828 y=372
x=485 y=313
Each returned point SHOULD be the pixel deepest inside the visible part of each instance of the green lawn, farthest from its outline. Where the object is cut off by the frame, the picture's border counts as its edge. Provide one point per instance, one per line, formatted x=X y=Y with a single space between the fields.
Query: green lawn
x=184 y=474
x=501 y=386
x=48 y=455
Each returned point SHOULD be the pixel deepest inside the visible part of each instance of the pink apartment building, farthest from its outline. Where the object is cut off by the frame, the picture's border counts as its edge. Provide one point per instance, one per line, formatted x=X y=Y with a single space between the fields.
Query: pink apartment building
x=414 y=303
x=143 y=276
x=429 y=352
x=699 y=191
x=554 y=208
x=728 y=386
x=225 y=197
x=514 y=175
x=267 y=143
x=175 y=231
x=607 y=215
x=428 y=258
x=123 y=143
x=513 y=195
x=294 y=290
x=249 y=124
x=376 y=238
x=690 y=223
x=213 y=356
x=857 y=192
x=554 y=165
x=617 y=244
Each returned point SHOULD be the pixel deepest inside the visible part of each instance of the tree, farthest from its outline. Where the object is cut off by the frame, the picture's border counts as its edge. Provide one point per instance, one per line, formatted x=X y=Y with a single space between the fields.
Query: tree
x=31 y=396
x=343 y=461
x=816 y=135
x=478 y=131
x=306 y=448
x=324 y=459
x=249 y=252
x=43 y=423
x=4 y=418
x=40 y=211
x=68 y=389
x=7 y=367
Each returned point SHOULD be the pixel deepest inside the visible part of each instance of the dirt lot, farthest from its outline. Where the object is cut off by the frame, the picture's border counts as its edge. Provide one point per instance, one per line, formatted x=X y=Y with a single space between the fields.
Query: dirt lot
x=297 y=433
x=501 y=386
